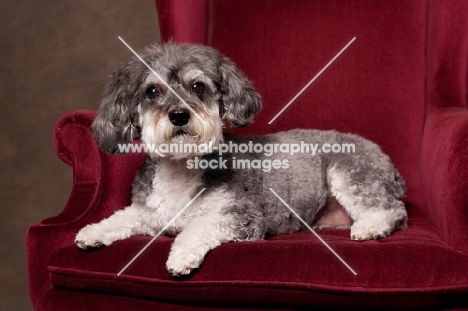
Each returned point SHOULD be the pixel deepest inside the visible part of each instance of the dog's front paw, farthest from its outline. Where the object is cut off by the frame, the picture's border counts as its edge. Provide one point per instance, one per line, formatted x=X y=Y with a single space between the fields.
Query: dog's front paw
x=182 y=263
x=89 y=238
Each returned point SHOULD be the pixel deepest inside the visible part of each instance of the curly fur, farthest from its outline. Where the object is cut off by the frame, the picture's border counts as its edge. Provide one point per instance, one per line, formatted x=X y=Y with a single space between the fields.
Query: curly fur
x=237 y=204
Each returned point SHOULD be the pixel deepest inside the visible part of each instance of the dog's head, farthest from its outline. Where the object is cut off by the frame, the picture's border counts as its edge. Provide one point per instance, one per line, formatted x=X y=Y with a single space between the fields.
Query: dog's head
x=197 y=89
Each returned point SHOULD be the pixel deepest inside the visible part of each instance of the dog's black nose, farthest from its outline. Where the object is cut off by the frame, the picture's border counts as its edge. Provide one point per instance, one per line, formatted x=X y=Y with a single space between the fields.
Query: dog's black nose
x=179 y=116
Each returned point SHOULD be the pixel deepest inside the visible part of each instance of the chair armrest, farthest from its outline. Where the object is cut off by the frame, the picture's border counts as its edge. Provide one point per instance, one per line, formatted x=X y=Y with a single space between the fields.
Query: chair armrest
x=444 y=161
x=101 y=185
x=75 y=146
x=101 y=182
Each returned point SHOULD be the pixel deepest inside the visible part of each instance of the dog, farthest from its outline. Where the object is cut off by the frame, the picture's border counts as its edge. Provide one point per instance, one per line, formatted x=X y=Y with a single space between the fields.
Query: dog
x=202 y=93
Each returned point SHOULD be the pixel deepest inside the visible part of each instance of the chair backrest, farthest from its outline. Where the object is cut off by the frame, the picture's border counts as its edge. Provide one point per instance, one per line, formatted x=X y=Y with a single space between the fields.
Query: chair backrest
x=378 y=87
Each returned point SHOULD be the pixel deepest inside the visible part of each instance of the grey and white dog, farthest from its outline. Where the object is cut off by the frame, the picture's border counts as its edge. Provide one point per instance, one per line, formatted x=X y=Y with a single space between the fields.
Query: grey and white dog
x=209 y=93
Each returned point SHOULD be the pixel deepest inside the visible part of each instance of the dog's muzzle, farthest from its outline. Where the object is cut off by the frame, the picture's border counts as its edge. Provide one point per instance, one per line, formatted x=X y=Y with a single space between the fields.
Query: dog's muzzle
x=179 y=116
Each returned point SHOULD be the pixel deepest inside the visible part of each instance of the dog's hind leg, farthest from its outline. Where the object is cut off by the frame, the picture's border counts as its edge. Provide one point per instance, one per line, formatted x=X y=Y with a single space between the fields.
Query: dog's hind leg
x=371 y=195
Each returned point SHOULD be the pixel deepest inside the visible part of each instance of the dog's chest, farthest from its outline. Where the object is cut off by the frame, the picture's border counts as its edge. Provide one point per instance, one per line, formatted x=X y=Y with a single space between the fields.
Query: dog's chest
x=173 y=186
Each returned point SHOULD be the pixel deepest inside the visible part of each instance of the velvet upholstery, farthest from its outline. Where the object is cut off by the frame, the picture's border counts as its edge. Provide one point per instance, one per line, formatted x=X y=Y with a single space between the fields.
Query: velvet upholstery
x=402 y=83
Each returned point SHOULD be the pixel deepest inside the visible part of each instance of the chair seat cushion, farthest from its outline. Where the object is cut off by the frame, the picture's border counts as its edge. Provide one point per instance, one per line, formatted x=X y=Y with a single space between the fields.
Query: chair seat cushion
x=411 y=268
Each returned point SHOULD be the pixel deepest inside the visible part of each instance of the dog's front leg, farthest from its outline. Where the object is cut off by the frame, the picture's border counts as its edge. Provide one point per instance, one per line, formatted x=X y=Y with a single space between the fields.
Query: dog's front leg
x=194 y=242
x=207 y=232
x=121 y=225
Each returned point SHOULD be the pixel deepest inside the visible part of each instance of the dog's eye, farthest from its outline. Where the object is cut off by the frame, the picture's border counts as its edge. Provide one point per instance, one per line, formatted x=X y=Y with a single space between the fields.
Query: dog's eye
x=152 y=92
x=198 y=88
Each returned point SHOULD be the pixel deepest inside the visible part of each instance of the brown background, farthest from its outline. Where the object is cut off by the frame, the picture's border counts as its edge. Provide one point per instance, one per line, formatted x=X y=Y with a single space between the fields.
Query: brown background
x=54 y=57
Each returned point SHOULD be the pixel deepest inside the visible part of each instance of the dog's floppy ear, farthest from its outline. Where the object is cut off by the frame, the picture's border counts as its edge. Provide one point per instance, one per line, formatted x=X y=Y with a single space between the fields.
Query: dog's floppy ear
x=117 y=121
x=240 y=100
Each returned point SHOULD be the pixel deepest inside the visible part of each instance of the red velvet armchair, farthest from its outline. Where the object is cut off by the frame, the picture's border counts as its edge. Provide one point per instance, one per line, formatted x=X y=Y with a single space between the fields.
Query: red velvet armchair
x=402 y=83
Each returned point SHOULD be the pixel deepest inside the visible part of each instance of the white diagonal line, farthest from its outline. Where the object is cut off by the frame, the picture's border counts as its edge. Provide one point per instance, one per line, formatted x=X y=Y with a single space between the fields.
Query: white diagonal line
x=313 y=231
x=313 y=79
x=160 y=232
x=161 y=79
